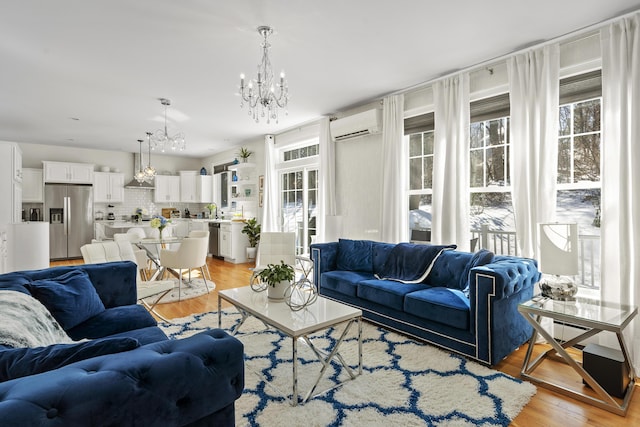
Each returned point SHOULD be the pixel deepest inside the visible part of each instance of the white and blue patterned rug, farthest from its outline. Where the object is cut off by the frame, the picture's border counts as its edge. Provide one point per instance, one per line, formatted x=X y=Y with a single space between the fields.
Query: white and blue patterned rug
x=404 y=382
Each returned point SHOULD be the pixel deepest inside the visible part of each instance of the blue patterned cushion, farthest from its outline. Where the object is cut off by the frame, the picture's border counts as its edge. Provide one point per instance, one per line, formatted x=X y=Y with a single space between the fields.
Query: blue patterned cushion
x=71 y=298
x=355 y=255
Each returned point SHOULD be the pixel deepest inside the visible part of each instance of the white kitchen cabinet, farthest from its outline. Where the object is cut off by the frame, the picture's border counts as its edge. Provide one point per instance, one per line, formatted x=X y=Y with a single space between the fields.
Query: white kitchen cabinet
x=204 y=189
x=233 y=243
x=17 y=163
x=10 y=182
x=32 y=187
x=72 y=173
x=225 y=240
x=167 y=189
x=244 y=189
x=108 y=187
x=188 y=186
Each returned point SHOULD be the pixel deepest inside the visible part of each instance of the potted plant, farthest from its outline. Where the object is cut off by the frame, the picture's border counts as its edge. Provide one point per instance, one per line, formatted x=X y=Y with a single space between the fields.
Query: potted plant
x=252 y=230
x=278 y=278
x=244 y=154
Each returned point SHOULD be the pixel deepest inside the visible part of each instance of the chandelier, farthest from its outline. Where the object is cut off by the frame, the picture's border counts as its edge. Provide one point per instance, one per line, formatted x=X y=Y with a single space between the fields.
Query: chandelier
x=149 y=171
x=161 y=139
x=262 y=96
x=140 y=176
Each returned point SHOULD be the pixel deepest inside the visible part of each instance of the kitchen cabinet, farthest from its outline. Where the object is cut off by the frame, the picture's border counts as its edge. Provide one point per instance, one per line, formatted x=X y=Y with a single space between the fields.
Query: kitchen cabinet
x=32 y=187
x=68 y=173
x=195 y=188
x=167 y=189
x=233 y=243
x=108 y=187
x=11 y=182
x=188 y=186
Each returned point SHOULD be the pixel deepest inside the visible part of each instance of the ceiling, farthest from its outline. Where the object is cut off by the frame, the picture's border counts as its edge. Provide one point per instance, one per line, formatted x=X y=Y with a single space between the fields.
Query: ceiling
x=89 y=74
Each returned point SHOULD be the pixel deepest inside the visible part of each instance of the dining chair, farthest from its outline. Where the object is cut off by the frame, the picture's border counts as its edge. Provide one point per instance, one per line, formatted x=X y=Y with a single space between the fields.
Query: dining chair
x=190 y=255
x=141 y=255
x=110 y=251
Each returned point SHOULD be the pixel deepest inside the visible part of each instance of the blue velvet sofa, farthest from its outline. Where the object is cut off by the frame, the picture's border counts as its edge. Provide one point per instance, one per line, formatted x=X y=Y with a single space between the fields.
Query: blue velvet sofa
x=461 y=301
x=128 y=373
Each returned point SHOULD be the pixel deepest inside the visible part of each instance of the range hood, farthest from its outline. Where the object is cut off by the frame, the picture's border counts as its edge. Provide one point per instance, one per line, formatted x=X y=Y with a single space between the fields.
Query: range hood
x=135 y=184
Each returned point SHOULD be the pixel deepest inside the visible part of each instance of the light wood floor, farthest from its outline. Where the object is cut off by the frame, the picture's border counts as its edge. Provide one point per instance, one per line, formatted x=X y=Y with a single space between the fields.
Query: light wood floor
x=546 y=408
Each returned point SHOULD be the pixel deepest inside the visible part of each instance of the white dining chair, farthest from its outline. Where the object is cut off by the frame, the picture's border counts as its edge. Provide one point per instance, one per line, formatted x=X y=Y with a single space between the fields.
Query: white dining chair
x=190 y=255
x=141 y=255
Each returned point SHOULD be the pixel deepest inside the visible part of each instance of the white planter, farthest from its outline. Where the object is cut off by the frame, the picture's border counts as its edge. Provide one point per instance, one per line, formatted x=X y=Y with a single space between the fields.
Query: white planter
x=251 y=253
x=276 y=292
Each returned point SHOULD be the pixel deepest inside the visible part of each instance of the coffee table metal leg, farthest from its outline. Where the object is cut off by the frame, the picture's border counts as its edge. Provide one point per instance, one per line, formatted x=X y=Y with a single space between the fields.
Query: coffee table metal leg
x=294 y=394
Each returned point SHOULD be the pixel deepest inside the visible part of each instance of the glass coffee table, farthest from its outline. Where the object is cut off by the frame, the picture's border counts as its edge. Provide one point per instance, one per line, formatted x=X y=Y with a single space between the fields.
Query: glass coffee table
x=592 y=317
x=322 y=314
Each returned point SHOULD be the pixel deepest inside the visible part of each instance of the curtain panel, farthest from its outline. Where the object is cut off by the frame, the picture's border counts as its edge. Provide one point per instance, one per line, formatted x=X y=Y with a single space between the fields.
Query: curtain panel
x=534 y=95
x=270 y=209
x=620 y=276
x=450 y=200
x=327 y=209
x=395 y=206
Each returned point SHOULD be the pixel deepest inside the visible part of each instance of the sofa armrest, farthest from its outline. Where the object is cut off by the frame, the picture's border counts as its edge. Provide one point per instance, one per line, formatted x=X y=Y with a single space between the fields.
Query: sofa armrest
x=508 y=275
x=325 y=258
x=169 y=383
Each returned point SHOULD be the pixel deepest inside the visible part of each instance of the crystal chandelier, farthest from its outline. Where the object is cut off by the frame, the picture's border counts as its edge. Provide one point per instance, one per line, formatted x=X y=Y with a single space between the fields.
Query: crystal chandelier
x=140 y=175
x=149 y=171
x=161 y=139
x=262 y=96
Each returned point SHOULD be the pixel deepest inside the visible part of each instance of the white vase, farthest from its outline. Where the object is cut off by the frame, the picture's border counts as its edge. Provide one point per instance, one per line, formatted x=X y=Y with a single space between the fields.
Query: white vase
x=251 y=252
x=276 y=292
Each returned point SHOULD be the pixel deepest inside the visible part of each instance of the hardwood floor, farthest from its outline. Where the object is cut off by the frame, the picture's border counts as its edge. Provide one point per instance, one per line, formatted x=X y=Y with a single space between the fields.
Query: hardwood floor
x=546 y=408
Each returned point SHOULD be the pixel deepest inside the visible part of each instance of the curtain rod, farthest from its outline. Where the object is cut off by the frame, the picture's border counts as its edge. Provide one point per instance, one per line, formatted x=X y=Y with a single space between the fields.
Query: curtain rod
x=584 y=31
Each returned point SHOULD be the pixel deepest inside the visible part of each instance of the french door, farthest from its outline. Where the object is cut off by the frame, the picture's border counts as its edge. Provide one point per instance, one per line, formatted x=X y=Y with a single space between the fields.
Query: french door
x=299 y=197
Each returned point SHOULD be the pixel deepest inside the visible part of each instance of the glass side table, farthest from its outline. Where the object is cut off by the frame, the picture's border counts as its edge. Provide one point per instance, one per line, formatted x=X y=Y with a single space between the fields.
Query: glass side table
x=593 y=317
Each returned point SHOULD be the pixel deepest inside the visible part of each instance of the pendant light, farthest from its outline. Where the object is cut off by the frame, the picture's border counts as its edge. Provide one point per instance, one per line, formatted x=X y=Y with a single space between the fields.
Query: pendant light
x=149 y=171
x=140 y=175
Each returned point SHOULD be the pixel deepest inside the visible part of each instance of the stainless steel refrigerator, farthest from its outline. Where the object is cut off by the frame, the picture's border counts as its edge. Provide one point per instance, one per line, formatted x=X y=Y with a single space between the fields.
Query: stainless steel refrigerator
x=69 y=210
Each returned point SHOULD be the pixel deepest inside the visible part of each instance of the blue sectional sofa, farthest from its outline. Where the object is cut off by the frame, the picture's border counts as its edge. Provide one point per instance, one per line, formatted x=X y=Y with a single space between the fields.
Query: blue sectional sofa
x=124 y=372
x=461 y=301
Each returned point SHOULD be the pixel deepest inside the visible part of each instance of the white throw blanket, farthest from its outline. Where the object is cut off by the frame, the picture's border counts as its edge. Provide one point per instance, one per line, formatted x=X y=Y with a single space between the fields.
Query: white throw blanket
x=25 y=322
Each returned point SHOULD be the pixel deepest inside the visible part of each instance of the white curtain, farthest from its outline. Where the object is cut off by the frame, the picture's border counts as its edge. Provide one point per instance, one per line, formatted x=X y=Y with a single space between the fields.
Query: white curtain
x=395 y=206
x=534 y=94
x=270 y=204
x=327 y=208
x=621 y=167
x=450 y=200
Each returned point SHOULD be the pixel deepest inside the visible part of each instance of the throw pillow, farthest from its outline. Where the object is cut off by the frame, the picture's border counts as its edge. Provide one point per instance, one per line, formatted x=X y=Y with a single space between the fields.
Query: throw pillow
x=355 y=255
x=409 y=263
x=71 y=298
x=21 y=362
x=480 y=258
x=25 y=322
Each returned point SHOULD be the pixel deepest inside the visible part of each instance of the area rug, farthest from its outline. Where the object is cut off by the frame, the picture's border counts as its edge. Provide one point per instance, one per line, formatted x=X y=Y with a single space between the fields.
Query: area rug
x=404 y=382
x=189 y=290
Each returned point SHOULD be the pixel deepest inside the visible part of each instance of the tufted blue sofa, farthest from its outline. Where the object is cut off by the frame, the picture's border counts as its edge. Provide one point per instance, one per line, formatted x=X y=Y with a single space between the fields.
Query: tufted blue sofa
x=160 y=382
x=467 y=303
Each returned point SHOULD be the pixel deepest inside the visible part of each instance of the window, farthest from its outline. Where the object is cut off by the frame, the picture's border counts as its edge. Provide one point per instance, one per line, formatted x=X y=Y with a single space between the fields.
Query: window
x=298 y=172
x=419 y=134
x=491 y=210
x=579 y=145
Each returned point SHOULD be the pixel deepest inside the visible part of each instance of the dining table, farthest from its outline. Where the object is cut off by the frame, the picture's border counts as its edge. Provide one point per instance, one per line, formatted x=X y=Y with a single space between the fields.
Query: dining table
x=152 y=246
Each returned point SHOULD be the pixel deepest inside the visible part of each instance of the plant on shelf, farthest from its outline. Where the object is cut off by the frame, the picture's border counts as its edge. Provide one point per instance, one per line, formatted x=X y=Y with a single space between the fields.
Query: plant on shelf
x=252 y=230
x=244 y=154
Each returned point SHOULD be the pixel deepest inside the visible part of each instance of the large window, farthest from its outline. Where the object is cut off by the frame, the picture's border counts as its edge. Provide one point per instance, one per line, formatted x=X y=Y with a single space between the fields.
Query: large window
x=419 y=133
x=579 y=144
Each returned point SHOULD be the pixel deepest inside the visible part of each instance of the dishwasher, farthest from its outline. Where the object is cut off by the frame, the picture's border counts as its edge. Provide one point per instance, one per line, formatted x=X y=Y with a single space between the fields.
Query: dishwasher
x=214 y=239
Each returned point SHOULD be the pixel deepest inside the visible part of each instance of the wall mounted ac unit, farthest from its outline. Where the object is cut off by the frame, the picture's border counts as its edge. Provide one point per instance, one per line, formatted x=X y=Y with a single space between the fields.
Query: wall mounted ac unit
x=365 y=123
